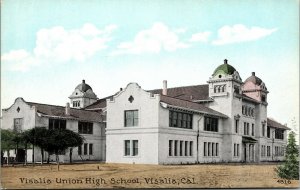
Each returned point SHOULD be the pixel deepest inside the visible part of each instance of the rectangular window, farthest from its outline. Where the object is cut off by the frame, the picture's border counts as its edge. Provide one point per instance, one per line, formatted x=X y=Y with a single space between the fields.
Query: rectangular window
x=90 y=149
x=209 y=149
x=170 y=147
x=127 y=148
x=79 y=150
x=85 y=148
x=180 y=148
x=18 y=124
x=248 y=129
x=234 y=149
x=217 y=149
x=76 y=104
x=135 y=147
x=245 y=128
x=279 y=133
x=180 y=119
x=191 y=148
x=213 y=149
x=210 y=124
x=131 y=118
x=263 y=129
x=238 y=150
x=175 y=147
x=85 y=127
x=268 y=132
x=252 y=131
x=57 y=124
x=236 y=126
x=185 y=148
x=204 y=149
x=268 y=151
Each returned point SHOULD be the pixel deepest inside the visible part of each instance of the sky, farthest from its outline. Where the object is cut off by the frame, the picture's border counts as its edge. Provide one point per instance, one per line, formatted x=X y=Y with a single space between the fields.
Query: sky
x=49 y=46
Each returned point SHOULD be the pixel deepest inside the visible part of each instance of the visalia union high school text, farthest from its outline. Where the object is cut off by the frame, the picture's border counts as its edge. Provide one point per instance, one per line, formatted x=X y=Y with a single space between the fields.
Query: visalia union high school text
x=224 y=120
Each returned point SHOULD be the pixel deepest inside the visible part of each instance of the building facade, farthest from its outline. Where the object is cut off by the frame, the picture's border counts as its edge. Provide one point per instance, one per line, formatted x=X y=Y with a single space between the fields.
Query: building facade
x=24 y=115
x=224 y=120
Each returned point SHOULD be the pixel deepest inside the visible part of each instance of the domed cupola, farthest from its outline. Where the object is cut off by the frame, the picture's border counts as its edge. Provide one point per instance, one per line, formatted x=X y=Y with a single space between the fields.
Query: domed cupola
x=224 y=69
x=255 y=88
x=83 y=87
x=83 y=96
x=256 y=81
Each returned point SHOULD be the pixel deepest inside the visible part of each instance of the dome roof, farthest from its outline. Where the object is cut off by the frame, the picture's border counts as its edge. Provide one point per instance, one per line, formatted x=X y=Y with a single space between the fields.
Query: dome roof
x=225 y=69
x=83 y=86
x=254 y=79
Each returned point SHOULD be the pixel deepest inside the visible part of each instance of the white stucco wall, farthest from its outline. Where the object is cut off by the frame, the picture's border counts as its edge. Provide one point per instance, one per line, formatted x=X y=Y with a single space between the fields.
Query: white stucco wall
x=146 y=132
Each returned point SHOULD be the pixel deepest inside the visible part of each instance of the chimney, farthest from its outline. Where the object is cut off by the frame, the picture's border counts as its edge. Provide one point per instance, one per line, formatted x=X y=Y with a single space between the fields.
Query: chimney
x=83 y=81
x=164 y=90
x=225 y=61
x=253 y=73
x=67 y=109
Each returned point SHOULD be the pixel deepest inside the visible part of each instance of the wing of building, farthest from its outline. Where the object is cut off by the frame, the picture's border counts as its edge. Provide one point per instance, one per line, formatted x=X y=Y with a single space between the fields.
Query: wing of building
x=224 y=120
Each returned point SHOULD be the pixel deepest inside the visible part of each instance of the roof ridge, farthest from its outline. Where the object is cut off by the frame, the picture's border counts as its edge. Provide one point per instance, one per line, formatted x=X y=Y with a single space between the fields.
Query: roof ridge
x=180 y=87
x=59 y=106
x=182 y=99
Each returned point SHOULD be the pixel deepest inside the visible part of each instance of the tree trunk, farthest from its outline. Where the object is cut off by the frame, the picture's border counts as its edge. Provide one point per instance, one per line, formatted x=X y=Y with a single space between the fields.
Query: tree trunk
x=48 y=160
x=8 y=154
x=57 y=161
x=25 y=154
x=33 y=154
x=17 y=152
x=71 y=152
x=42 y=152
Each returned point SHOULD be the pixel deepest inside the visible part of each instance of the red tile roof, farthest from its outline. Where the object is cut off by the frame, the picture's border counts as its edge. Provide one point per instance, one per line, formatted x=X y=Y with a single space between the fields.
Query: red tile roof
x=275 y=124
x=99 y=104
x=190 y=105
x=59 y=111
x=191 y=93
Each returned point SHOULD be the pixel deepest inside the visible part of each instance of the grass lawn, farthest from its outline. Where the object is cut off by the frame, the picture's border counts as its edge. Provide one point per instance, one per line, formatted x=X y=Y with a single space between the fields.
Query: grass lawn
x=143 y=176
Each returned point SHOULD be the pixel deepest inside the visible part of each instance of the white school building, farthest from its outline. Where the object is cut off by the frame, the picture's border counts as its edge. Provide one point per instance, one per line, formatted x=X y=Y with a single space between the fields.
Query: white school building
x=224 y=120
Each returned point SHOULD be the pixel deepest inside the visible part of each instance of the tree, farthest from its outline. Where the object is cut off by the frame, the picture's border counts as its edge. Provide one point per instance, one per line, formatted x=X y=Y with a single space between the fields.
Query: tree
x=290 y=167
x=37 y=136
x=59 y=140
x=7 y=143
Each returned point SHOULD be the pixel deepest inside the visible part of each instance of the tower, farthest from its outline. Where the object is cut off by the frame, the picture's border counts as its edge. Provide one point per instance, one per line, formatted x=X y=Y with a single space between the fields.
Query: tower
x=82 y=96
x=225 y=90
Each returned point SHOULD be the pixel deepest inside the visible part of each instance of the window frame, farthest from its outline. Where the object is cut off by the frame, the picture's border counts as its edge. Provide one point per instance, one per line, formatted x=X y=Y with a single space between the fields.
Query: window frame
x=134 y=118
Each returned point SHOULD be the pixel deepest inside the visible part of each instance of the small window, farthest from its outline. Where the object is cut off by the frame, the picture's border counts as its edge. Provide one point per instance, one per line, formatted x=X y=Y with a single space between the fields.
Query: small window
x=76 y=104
x=263 y=98
x=175 y=148
x=210 y=124
x=186 y=148
x=236 y=126
x=135 y=147
x=85 y=148
x=58 y=124
x=85 y=127
x=18 y=124
x=131 y=118
x=127 y=147
x=191 y=148
x=90 y=149
x=79 y=150
x=170 y=147
x=204 y=149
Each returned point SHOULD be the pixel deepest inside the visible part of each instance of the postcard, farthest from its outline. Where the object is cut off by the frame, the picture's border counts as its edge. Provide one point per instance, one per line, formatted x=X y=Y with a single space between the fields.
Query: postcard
x=149 y=94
